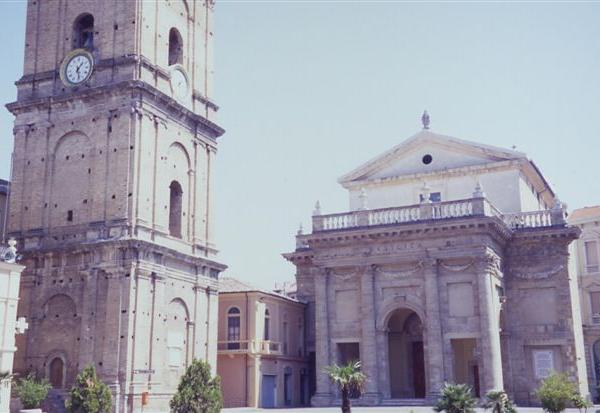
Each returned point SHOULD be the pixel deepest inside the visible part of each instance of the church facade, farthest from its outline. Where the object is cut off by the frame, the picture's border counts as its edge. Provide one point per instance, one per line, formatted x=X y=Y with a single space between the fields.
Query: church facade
x=111 y=198
x=451 y=265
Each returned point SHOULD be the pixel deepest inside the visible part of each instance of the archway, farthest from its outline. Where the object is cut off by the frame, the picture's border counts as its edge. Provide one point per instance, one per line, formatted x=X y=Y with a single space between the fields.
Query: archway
x=56 y=371
x=406 y=355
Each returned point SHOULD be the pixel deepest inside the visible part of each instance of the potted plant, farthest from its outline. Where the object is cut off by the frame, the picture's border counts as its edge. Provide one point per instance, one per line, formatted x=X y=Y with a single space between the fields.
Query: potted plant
x=32 y=393
x=198 y=391
x=455 y=398
x=89 y=394
x=348 y=378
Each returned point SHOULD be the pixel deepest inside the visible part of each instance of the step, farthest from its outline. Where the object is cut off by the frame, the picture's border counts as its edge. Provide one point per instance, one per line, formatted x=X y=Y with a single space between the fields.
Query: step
x=403 y=402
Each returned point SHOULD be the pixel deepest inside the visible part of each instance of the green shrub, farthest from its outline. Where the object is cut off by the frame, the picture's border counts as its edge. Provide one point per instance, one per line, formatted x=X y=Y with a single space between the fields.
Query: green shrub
x=198 y=391
x=580 y=403
x=32 y=391
x=499 y=402
x=556 y=393
x=89 y=394
x=455 y=398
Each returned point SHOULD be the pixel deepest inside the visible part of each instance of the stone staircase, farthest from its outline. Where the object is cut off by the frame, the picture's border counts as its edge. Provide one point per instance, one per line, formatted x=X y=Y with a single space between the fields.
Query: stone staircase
x=403 y=402
x=55 y=402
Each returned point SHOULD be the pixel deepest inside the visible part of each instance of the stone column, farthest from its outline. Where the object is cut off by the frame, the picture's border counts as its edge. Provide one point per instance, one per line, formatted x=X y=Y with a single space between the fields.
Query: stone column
x=489 y=343
x=434 y=352
x=368 y=350
x=323 y=394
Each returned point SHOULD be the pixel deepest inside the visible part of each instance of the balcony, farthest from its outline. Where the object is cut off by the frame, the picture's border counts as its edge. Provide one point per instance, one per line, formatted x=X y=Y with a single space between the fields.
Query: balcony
x=436 y=211
x=263 y=347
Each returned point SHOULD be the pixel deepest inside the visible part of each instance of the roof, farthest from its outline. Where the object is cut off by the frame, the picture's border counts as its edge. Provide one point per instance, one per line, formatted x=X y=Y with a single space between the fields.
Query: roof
x=492 y=152
x=233 y=285
x=586 y=213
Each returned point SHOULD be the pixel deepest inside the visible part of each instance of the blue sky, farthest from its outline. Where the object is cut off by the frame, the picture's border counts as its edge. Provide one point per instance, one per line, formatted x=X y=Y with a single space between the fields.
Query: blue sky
x=310 y=90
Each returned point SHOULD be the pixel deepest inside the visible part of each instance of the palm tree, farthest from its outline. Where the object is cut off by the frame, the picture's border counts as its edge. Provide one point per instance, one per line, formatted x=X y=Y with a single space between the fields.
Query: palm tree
x=348 y=378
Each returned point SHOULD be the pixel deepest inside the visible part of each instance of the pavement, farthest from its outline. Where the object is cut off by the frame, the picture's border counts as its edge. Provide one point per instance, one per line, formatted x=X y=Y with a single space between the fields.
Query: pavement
x=386 y=409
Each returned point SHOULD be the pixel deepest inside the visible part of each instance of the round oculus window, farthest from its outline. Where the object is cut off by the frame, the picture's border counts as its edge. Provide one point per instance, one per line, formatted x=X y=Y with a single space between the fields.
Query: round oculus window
x=427 y=159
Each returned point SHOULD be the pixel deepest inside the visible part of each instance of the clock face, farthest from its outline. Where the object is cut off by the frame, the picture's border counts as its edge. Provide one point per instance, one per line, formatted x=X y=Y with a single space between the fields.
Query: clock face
x=77 y=69
x=179 y=83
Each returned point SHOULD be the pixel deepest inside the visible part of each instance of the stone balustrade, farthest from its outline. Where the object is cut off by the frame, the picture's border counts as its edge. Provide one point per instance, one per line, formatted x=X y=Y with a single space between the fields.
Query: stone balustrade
x=473 y=207
x=249 y=346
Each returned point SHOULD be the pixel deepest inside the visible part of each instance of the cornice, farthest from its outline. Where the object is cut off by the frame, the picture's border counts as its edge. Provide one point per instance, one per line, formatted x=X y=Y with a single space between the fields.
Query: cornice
x=419 y=177
x=161 y=100
x=425 y=228
x=112 y=62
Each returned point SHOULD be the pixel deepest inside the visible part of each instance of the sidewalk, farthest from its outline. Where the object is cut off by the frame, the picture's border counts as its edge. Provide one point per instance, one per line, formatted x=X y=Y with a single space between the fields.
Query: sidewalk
x=387 y=409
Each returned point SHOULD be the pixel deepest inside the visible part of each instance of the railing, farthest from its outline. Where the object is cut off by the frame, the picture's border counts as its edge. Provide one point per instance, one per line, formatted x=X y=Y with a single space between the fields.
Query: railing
x=249 y=346
x=535 y=219
x=393 y=215
x=437 y=211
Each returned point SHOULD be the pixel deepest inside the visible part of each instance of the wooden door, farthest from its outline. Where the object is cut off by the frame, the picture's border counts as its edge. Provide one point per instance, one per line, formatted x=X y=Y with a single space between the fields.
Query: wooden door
x=56 y=373
x=418 y=359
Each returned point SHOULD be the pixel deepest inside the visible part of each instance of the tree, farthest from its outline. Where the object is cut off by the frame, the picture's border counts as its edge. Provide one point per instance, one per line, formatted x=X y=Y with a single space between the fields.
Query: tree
x=455 y=398
x=32 y=391
x=556 y=392
x=348 y=378
x=198 y=391
x=499 y=402
x=89 y=394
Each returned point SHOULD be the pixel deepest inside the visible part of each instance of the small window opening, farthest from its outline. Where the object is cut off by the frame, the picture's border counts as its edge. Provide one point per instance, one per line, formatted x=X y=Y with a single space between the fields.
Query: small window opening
x=175 y=212
x=83 y=32
x=427 y=159
x=175 y=47
x=70 y=216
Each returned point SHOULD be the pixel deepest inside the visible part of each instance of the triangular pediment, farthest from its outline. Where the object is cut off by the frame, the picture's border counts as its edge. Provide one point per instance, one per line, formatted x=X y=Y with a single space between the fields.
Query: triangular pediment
x=428 y=152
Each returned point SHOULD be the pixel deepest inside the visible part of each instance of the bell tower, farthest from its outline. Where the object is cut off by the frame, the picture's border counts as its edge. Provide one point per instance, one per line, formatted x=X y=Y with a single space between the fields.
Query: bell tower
x=114 y=141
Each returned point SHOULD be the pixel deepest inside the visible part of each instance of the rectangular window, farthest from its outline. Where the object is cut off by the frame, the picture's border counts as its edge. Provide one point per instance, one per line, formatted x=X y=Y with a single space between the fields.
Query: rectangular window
x=543 y=363
x=233 y=333
x=70 y=216
x=433 y=197
x=595 y=301
x=591 y=256
x=285 y=337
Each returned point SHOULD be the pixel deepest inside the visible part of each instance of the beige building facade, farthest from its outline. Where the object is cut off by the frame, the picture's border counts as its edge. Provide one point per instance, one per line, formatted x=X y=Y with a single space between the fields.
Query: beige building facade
x=586 y=264
x=261 y=353
x=111 y=198
x=450 y=265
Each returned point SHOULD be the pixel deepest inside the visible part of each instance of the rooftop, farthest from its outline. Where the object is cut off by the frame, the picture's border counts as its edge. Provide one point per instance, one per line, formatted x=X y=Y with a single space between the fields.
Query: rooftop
x=585 y=213
x=233 y=285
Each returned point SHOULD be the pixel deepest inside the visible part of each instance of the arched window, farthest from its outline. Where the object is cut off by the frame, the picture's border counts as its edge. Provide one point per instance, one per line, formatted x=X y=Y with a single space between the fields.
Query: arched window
x=233 y=329
x=267 y=320
x=175 y=209
x=175 y=47
x=83 y=32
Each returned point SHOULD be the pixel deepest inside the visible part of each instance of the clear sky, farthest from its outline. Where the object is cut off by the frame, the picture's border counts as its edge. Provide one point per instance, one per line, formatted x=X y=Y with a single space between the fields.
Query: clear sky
x=311 y=89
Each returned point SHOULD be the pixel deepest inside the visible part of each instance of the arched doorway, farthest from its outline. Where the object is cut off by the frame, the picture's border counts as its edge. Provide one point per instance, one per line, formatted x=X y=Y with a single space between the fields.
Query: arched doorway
x=56 y=371
x=406 y=356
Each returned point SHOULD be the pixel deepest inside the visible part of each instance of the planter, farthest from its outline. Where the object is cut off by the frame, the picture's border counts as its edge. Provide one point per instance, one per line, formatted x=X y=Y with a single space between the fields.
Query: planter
x=30 y=411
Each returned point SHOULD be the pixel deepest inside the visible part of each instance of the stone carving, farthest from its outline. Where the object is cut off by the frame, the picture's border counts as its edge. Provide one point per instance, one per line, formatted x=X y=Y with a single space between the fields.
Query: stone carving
x=400 y=274
x=539 y=275
x=456 y=268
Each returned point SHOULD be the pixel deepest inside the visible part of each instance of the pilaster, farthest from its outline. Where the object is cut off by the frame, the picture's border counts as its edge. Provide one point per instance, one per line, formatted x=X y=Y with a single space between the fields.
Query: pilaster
x=368 y=347
x=323 y=395
x=433 y=331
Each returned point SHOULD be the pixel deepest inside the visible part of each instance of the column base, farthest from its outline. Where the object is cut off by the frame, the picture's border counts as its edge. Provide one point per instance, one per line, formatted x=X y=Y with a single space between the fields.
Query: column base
x=321 y=400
